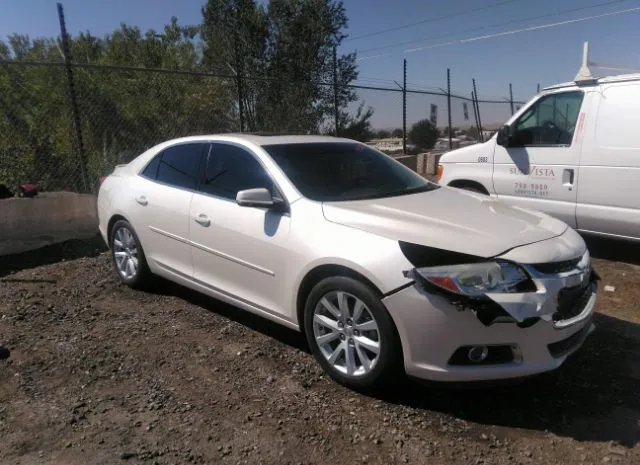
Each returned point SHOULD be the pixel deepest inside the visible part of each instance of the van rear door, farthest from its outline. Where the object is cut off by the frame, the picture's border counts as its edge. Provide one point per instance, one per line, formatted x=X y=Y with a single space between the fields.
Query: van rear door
x=539 y=167
x=609 y=179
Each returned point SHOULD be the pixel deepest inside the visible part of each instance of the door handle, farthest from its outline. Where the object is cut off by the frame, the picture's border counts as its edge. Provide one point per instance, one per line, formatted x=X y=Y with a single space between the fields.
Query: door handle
x=567 y=177
x=142 y=200
x=202 y=220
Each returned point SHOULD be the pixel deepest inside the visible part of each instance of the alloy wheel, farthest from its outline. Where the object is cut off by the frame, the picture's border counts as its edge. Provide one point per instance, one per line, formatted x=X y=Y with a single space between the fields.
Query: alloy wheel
x=347 y=333
x=125 y=252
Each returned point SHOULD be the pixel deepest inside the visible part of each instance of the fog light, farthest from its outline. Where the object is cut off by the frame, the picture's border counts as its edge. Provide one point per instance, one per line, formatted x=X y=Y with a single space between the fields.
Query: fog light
x=478 y=354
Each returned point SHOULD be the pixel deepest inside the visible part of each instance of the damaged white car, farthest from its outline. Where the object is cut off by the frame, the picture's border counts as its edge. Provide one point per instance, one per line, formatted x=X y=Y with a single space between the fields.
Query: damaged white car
x=384 y=271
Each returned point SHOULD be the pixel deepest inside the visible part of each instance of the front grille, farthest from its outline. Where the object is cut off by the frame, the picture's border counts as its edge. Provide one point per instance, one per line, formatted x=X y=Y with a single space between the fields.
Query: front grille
x=556 y=267
x=560 y=348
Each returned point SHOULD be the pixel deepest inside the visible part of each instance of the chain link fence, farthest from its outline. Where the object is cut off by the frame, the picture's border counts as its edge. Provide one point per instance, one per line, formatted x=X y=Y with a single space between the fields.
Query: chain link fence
x=64 y=141
x=123 y=111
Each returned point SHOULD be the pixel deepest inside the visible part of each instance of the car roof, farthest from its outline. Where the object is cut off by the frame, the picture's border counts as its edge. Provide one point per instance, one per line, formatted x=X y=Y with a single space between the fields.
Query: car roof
x=602 y=80
x=263 y=139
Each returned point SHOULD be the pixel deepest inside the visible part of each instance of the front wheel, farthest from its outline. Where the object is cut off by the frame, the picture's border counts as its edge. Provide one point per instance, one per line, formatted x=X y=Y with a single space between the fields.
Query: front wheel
x=351 y=334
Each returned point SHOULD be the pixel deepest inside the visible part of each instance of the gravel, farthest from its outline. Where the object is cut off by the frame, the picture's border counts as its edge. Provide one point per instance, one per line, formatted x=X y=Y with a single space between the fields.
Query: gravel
x=92 y=372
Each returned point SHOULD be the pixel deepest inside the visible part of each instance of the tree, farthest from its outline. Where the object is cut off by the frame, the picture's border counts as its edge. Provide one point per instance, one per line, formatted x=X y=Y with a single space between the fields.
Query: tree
x=358 y=127
x=382 y=134
x=423 y=134
x=284 y=56
x=396 y=132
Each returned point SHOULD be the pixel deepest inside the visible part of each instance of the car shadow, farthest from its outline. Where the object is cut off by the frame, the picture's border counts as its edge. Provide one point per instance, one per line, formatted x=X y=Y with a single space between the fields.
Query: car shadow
x=67 y=250
x=594 y=396
x=257 y=323
x=613 y=249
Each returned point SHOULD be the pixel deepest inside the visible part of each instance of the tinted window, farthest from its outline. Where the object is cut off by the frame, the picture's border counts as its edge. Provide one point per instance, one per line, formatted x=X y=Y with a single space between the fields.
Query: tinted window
x=550 y=121
x=231 y=169
x=334 y=171
x=152 y=168
x=180 y=165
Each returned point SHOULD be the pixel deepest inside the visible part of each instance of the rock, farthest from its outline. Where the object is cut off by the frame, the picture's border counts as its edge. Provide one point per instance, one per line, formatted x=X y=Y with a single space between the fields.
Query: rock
x=618 y=451
x=127 y=455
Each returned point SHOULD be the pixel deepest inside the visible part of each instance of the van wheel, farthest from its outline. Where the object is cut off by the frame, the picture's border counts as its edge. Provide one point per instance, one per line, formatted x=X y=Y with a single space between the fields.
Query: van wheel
x=352 y=335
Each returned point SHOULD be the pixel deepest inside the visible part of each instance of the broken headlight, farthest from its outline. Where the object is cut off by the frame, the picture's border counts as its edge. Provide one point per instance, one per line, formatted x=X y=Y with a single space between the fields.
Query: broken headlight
x=477 y=279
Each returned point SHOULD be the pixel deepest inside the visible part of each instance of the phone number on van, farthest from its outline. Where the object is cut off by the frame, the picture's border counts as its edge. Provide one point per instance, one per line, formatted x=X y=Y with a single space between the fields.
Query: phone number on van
x=531 y=189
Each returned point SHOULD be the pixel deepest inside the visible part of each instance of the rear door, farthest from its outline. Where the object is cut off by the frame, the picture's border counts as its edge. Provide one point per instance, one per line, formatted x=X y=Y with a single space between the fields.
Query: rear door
x=539 y=168
x=162 y=196
x=609 y=189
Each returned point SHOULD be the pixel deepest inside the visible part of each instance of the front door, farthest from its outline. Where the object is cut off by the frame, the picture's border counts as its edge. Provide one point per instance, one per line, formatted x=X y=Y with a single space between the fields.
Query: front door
x=239 y=251
x=539 y=168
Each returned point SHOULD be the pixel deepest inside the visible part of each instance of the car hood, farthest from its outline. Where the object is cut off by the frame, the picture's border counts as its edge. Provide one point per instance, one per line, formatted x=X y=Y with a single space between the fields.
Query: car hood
x=449 y=219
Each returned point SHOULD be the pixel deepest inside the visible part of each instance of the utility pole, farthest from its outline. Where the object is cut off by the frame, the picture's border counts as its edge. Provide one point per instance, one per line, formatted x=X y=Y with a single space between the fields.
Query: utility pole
x=336 y=109
x=404 y=108
x=449 y=106
x=511 y=98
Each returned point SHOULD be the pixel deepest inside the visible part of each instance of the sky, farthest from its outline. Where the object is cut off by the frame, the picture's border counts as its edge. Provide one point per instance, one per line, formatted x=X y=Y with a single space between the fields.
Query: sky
x=525 y=59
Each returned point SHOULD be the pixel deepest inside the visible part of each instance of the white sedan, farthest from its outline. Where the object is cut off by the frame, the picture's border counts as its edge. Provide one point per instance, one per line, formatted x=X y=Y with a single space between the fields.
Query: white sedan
x=384 y=271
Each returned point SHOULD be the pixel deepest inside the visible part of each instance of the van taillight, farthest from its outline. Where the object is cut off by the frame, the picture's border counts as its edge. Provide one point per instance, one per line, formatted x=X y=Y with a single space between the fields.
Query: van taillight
x=439 y=171
x=102 y=178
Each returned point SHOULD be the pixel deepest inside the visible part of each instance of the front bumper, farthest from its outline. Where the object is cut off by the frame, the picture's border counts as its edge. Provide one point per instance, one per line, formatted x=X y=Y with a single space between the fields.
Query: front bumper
x=432 y=329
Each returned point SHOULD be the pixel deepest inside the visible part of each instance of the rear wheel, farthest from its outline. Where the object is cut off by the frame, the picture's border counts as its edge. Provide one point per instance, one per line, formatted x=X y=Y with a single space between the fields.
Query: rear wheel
x=351 y=334
x=128 y=256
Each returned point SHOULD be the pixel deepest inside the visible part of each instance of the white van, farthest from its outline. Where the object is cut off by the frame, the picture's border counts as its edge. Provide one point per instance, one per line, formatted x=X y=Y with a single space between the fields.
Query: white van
x=573 y=151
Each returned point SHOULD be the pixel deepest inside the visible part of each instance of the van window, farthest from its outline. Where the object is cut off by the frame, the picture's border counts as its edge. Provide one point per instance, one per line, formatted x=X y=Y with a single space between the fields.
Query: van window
x=618 y=116
x=549 y=121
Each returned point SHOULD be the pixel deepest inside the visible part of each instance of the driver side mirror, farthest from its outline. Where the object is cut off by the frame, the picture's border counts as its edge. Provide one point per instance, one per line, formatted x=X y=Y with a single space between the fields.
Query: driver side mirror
x=259 y=198
x=505 y=135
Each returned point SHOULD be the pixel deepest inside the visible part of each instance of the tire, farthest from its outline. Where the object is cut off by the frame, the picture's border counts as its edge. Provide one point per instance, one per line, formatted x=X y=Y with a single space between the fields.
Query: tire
x=123 y=233
x=342 y=335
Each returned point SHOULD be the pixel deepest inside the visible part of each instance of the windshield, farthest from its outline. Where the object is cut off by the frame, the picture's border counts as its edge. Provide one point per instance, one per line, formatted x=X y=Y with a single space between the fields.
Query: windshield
x=340 y=171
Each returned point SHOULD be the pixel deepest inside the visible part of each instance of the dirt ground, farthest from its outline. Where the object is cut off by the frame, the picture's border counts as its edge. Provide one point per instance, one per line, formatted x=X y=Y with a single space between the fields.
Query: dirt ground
x=100 y=374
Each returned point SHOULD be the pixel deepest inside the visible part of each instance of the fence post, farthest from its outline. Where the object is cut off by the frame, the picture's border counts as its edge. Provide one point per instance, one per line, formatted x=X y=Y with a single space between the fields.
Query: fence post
x=73 y=98
x=475 y=113
x=404 y=108
x=475 y=91
x=238 y=73
x=449 y=106
x=511 y=98
x=336 y=108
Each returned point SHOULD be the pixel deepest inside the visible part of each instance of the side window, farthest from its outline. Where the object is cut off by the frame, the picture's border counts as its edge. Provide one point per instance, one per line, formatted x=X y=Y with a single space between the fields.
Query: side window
x=180 y=165
x=230 y=169
x=151 y=171
x=549 y=121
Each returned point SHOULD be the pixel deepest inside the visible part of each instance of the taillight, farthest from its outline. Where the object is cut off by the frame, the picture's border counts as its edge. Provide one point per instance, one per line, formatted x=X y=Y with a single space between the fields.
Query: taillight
x=439 y=171
x=102 y=178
